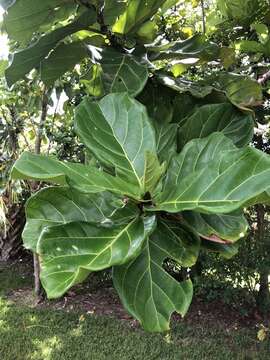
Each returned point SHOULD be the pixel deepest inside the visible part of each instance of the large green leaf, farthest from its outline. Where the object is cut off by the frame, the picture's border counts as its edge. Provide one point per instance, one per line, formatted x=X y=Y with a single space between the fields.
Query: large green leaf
x=227 y=227
x=118 y=132
x=69 y=252
x=158 y=100
x=59 y=205
x=225 y=118
x=226 y=251
x=181 y=85
x=193 y=47
x=61 y=60
x=112 y=10
x=137 y=12
x=211 y=175
x=166 y=140
x=242 y=91
x=147 y=291
x=86 y=179
x=27 y=59
x=25 y=17
x=118 y=72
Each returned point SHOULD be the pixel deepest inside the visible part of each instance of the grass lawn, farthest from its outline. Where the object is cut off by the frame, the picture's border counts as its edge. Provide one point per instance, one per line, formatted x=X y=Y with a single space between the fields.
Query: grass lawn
x=49 y=334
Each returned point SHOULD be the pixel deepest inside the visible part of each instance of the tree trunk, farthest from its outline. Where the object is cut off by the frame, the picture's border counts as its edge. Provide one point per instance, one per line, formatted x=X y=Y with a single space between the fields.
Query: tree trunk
x=263 y=295
x=13 y=222
x=10 y=238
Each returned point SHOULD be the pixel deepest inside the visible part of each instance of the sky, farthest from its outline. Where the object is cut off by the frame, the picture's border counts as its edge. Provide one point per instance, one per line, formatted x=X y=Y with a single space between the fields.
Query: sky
x=3 y=41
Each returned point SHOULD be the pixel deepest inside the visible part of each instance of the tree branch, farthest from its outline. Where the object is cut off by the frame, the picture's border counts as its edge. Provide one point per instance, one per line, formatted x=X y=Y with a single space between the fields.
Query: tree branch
x=40 y=129
x=265 y=77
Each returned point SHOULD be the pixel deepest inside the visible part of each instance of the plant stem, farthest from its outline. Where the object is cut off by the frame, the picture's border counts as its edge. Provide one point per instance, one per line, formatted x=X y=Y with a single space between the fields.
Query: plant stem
x=40 y=129
x=265 y=77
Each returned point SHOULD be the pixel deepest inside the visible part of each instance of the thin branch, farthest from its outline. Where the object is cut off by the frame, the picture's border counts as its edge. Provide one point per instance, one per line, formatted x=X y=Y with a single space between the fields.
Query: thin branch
x=40 y=129
x=265 y=77
x=203 y=17
x=53 y=123
x=26 y=142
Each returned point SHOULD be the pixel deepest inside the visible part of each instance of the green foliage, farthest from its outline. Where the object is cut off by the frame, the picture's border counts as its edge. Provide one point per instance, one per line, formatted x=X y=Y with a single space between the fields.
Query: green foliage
x=29 y=58
x=122 y=145
x=174 y=161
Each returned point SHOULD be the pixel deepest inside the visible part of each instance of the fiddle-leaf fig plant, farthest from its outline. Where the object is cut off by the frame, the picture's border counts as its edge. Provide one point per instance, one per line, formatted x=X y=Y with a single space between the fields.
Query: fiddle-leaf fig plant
x=133 y=210
x=169 y=168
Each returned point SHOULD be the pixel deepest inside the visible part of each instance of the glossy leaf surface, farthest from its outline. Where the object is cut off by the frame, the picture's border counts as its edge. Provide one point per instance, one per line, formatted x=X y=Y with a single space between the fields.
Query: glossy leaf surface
x=86 y=179
x=117 y=72
x=229 y=227
x=225 y=118
x=212 y=176
x=112 y=10
x=25 y=17
x=193 y=47
x=60 y=205
x=29 y=58
x=137 y=12
x=69 y=250
x=118 y=132
x=147 y=291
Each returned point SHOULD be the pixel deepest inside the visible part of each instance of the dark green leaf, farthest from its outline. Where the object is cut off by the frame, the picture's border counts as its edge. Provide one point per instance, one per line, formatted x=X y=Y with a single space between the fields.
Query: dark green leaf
x=84 y=178
x=158 y=100
x=229 y=227
x=61 y=60
x=242 y=11
x=25 y=17
x=60 y=205
x=30 y=58
x=212 y=176
x=117 y=73
x=224 y=250
x=185 y=86
x=69 y=250
x=166 y=135
x=112 y=10
x=242 y=91
x=118 y=132
x=225 y=118
x=194 y=47
x=147 y=291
